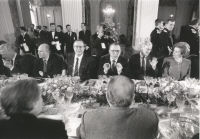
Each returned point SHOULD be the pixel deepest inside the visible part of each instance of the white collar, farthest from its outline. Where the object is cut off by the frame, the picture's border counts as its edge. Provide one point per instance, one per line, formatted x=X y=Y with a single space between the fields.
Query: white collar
x=111 y=60
x=46 y=59
x=141 y=55
x=79 y=57
x=14 y=57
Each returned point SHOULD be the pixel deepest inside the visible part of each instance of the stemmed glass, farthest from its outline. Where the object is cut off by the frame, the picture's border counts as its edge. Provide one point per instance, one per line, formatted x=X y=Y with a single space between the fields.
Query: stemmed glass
x=69 y=95
x=170 y=98
x=147 y=82
x=180 y=101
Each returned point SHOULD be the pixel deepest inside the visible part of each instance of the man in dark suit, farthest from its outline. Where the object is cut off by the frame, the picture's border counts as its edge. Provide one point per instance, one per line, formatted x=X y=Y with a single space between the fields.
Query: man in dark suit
x=119 y=121
x=19 y=64
x=60 y=42
x=44 y=35
x=70 y=37
x=22 y=102
x=78 y=63
x=85 y=35
x=55 y=39
x=26 y=45
x=156 y=38
x=100 y=43
x=37 y=31
x=113 y=63
x=3 y=69
x=49 y=64
x=166 y=43
x=142 y=64
x=167 y=39
x=189 y=34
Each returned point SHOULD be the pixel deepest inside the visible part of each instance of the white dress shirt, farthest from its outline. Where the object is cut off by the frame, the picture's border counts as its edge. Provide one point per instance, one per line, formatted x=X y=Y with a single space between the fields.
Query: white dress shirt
x=53 y=34
x=145 y=60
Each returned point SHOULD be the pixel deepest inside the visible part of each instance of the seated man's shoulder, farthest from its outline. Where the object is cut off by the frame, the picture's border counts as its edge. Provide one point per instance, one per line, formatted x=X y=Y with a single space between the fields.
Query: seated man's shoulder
x=57 y=57
x=105 y=56
x=96 y=113
x=146 y=113
x=135 y=55
x=28 y=56
x=50 y=123
x=122 y=58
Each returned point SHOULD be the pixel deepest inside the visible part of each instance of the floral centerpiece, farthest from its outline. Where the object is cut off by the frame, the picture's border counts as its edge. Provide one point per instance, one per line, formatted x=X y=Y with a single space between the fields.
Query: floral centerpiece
x=59 y=89
x=62 y=89
x=93 y=92
x=166 y=90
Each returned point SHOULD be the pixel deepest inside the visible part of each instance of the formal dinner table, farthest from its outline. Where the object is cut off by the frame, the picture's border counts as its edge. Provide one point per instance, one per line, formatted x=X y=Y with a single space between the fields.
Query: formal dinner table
x=66 y=99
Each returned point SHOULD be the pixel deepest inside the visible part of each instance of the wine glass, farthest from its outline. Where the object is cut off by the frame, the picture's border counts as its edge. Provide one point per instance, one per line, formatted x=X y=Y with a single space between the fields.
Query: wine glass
x=69 y=94
x=180 y=101
x=170 y=98
x=147 y=82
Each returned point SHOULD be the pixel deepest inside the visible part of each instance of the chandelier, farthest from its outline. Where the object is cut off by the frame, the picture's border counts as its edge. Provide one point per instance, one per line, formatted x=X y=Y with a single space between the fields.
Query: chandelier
x=109 y=10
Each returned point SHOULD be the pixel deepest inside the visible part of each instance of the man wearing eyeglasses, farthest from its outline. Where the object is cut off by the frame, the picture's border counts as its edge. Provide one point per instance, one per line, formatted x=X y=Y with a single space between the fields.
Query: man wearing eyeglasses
x=113 y=64
x=78 y=62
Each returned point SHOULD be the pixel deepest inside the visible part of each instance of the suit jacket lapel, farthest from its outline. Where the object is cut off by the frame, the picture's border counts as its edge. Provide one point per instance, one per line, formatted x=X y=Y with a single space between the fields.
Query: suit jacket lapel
x=49 y=63
x=71 y=64
x=82 y=65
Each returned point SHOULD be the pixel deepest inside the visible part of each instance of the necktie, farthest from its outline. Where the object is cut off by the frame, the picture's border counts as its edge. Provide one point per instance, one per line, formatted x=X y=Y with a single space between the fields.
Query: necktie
x=76 y=73
x=144 y=65
x=113 y=65
x=44 y=66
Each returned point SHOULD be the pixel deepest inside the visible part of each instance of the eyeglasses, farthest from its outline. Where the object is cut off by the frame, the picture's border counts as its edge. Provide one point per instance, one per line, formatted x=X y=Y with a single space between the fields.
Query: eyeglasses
x=116 y=51
x=79 y=46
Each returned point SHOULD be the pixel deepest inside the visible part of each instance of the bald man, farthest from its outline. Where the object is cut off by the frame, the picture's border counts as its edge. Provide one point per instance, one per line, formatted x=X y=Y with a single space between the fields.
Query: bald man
x=119 y=121
x=49 y=64
x=142 y=64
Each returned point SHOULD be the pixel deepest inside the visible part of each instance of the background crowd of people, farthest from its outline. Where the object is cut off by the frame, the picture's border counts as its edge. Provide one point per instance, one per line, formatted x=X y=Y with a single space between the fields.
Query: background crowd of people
x=42 y=53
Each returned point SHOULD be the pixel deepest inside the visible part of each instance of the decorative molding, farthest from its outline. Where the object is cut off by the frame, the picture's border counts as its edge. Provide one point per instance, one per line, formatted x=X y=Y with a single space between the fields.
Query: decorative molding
x=134 y=22
x=83 y=10
x=20 y=13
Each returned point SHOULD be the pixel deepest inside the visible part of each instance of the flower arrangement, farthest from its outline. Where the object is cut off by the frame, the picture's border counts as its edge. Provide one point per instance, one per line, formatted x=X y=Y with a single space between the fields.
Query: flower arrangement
x=166 y=90
x=111 y=31
x=59 y=89
x=93 y=92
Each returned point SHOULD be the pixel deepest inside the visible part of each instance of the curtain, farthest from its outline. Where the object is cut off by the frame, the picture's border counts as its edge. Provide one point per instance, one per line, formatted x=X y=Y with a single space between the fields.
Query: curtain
x=147 y=11
x=72 y=14
x=6 y=23
x=49 y=14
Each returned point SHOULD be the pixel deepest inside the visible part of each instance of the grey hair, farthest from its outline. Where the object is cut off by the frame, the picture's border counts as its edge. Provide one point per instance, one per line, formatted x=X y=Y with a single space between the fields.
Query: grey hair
x=120 y=92
x=20 y=97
